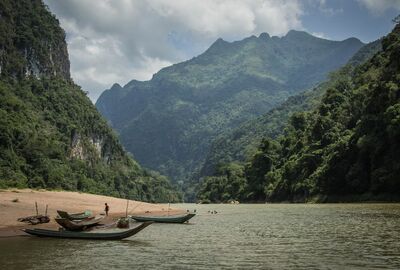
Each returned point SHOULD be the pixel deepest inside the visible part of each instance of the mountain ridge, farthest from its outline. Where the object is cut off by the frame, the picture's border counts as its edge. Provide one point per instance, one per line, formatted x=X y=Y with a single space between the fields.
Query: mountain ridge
x=169 y=121
x=242 y=142
x=343 y=148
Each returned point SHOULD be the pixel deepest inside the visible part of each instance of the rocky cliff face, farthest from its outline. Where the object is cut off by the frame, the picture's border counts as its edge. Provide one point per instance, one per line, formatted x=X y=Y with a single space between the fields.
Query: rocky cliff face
x=96 y=144
x=31 y=43
x=51 y=135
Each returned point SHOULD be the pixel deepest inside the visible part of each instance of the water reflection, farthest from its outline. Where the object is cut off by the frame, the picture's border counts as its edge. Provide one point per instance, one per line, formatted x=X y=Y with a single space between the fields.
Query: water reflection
x=358 y=236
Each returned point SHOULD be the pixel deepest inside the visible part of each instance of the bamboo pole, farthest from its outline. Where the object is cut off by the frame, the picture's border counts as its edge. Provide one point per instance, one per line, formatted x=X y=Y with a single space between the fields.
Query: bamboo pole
x=126 y=212
x=169 y=203
x=37 y=211
x=135 y=207
x=46 y=209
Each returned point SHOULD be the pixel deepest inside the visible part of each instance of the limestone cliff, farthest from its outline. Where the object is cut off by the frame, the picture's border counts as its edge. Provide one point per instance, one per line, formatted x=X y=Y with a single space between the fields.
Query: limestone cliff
x=51 y=135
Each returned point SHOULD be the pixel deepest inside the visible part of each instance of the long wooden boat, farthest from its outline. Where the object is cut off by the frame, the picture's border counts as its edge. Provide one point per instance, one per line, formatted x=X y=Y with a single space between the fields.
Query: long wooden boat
x=75 y=225
x=93 y=235
x=164 y=219
x=76 y=216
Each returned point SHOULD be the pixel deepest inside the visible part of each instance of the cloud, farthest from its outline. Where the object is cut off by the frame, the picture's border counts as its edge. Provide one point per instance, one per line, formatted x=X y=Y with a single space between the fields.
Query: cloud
x=377 y=8
x=320 y=35
x=117 y=41
x=322 y=7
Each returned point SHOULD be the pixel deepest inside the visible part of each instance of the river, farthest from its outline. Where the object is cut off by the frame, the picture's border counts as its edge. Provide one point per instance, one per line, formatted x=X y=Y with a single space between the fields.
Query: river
x=245 y=236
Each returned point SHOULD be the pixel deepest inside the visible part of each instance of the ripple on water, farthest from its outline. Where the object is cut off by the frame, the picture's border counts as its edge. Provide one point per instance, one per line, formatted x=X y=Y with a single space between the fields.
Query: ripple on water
x=284 y=236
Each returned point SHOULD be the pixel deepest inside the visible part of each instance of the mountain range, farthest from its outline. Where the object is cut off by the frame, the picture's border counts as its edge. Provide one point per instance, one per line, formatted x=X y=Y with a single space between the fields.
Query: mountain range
x=294 y=118
x=242 y=142
x=340 y=143
x=169 y=122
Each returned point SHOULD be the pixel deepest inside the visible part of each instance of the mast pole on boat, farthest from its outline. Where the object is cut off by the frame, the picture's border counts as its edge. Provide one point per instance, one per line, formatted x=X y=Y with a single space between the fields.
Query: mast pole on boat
x=127 y=205
x=169 y=203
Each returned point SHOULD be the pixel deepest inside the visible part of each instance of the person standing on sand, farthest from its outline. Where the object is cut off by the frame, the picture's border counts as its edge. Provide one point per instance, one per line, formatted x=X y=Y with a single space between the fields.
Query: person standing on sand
x=107 y=208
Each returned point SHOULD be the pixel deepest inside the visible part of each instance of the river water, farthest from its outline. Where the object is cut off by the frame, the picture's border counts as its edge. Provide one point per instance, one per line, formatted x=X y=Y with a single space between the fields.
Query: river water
x=269 y=236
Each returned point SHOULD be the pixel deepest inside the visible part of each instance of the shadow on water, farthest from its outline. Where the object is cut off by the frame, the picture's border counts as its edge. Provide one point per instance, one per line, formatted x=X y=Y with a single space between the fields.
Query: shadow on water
x=135 y=243
x=357 y=236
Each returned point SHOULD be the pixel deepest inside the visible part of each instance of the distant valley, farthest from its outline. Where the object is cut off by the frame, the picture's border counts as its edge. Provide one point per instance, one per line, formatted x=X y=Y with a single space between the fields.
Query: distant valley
x=170 y=122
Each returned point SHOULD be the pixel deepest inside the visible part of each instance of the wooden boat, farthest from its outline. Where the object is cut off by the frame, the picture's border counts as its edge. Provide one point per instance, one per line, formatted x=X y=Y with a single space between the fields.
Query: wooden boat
x=78 y=225
x=116 y=235
x=76 y=216
x=34 y=220
x=164 y=219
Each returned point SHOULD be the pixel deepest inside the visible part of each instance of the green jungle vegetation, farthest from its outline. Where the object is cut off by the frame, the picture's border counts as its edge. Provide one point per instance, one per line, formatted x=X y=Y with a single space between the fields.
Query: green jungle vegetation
x=345 y=148
x=169 y=122
x=242 y=142
x=51 y=135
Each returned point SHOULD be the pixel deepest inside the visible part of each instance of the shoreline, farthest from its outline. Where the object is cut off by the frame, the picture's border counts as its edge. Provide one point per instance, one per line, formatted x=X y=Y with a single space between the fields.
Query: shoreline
x=366 y=198
x=16 y=203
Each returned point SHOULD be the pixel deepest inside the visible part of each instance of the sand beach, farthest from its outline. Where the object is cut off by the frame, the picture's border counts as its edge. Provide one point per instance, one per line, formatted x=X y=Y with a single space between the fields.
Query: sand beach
x=16 y=203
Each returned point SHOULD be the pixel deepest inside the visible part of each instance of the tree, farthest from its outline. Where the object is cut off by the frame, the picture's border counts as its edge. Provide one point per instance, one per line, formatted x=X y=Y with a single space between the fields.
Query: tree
x=396 y=20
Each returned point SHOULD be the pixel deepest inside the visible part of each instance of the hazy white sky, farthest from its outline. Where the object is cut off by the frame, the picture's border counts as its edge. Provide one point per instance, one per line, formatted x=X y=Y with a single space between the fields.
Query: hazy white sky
x=117 y=41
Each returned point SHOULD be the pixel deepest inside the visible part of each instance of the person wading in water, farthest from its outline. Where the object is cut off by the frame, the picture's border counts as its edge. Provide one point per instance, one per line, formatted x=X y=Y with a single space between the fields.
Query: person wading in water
x=107 y=208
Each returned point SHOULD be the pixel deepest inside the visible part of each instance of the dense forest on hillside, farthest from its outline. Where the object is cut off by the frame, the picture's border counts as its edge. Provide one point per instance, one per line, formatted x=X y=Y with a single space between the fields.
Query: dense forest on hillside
x=169 y=122
x=346 y=148
x=242 y=142
x=51 y=135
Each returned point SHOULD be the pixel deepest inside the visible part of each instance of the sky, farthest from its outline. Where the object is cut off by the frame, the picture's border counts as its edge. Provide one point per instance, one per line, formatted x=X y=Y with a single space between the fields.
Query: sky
x=116 y=41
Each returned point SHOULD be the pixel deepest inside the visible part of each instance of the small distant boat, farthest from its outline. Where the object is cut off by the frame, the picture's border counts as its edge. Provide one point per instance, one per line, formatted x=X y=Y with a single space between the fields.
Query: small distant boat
x=93 y=235
x=78 y=225
x=164 y=219
x=76 y=216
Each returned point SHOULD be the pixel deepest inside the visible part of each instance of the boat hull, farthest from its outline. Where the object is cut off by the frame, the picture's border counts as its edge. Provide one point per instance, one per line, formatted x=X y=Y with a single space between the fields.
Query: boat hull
x=87 y=235
x=164 y=219
x=76 y=216
x=78 y=225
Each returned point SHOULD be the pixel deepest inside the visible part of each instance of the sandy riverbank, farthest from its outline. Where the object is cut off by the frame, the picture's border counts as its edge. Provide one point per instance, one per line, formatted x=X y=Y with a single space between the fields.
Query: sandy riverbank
x=21 y=203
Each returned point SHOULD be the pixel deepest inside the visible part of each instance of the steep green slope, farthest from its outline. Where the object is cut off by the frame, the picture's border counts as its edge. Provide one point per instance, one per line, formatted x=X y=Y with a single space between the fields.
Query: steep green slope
x=344 y=149
x=51 y=135
x=170 y=121
x=241 y=143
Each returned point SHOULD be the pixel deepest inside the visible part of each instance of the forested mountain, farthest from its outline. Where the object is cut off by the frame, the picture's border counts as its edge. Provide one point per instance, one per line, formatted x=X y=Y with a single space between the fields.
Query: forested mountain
x=169 y=122
x=51 y=135
x=242 y=142
x=346 y=148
